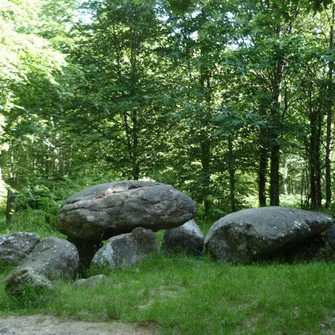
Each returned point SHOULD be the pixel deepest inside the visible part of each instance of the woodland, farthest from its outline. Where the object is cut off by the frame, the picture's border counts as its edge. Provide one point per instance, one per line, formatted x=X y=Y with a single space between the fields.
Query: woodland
x=231 y=102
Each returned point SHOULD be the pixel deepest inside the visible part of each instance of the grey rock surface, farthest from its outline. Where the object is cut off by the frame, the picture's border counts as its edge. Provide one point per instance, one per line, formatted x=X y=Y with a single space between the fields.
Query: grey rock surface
x=110 y=209
x=89 y=282
x=25 y=281
x=330 y=237
x=187 y=238
x=53 y=258
x=259 y=233
x=126 y=249
x=15 y=247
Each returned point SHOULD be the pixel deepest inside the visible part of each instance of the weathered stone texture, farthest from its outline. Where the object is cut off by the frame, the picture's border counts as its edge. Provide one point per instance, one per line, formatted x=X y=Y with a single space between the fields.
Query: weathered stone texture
x=187 y=239
x=15 y=247
x=110 y=209
x=126 y=249
x=258 y=233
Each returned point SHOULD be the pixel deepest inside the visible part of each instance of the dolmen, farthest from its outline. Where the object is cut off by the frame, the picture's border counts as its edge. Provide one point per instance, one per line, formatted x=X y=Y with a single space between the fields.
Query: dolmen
x=112 y=225
x=106 y=210
x=265 y=233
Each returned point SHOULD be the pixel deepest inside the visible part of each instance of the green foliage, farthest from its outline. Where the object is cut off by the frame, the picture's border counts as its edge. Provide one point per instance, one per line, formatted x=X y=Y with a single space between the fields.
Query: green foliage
x=38 y=198
x=318 y=5
x=180 y=6
x=35 y=221
x=190 y=93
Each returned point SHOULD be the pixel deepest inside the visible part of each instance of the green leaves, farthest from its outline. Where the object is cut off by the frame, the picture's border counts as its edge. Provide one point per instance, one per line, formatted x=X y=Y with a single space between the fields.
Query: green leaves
x=183 y=91
x=319 y=5
x=181 y=6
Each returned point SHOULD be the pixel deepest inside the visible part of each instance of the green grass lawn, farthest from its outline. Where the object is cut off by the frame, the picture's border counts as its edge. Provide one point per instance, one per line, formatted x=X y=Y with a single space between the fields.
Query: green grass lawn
x=198 y=296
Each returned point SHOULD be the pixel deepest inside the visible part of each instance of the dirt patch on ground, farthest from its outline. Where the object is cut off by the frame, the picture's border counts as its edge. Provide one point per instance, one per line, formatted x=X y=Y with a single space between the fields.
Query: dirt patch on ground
x=50 y=325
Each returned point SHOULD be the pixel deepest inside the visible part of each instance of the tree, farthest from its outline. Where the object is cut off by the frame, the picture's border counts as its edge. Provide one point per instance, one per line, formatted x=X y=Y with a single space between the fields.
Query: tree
x=30 y=69
x=124 y=96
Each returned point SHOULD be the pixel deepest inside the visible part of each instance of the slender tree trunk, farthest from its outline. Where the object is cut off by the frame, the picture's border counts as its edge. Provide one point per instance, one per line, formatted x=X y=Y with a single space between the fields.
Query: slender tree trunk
x=328 y=160
x=13 y=182
x=276 y=135
x=205 y=145
x=304 y=190
x=135 y=153
x=262 y=171
x=133 y=125
x=318 y=160
x=315 y=119
x=329 y=114
x=205 y=139
x=312 y=164
x=231 y=170
x=274 y=174
x=11 y=196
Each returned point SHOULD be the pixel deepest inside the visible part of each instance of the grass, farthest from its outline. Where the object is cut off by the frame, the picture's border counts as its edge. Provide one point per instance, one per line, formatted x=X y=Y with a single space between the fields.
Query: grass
x=29 y=221
x=198 y=296
x=183 y=295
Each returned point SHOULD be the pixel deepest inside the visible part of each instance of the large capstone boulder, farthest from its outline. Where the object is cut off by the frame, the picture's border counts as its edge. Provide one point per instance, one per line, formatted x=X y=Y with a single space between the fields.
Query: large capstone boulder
x=261 y=233
x=110 y=209
x=14 y=248
x=187 y=239
x=126 y=249
x=53 y=258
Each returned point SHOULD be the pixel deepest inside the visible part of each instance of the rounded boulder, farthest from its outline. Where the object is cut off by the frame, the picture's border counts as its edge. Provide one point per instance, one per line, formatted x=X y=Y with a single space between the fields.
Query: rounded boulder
x=262 y=233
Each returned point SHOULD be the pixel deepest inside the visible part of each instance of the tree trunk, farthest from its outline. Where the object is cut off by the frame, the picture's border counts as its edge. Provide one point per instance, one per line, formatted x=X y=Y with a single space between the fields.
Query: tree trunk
x=262 y=171
x=131 y=130
x=205 y=145
x=304 y=190
x=276 y=119
x=205 y=140
x=274 y=175
x=135 y=154
x=11 y=196
x=133 y=126
x=315 y=119
x=275 y=134
x=329 y=114
x=231 y=170
x=328 y=161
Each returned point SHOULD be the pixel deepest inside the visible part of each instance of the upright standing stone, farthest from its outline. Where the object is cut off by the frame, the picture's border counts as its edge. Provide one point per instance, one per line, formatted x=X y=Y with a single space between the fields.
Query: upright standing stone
x=53 y=258
x=126 y=249
x=187 y=239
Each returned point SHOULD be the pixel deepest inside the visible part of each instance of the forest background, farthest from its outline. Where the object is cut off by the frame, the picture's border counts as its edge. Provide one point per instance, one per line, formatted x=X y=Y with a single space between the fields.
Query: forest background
x=230 y=102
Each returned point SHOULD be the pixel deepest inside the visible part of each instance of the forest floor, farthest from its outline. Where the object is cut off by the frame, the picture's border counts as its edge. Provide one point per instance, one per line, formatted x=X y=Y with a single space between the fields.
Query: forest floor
x=50 y=325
